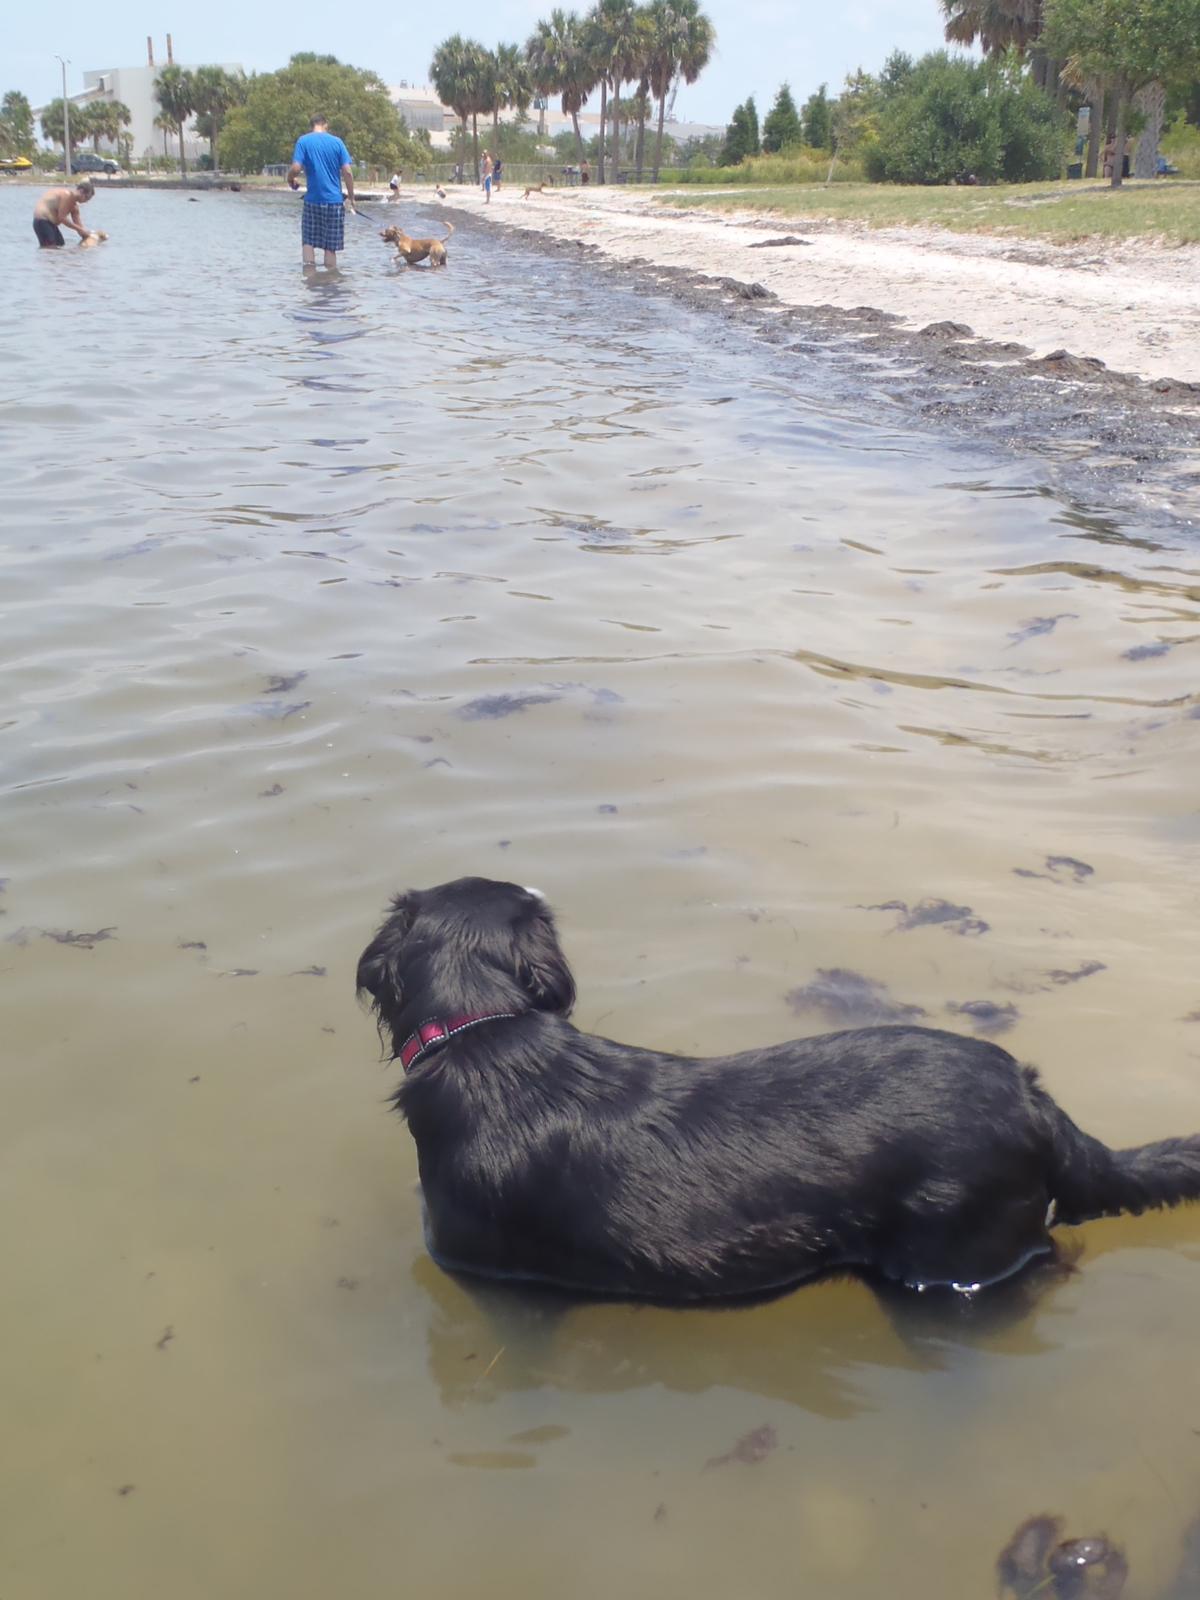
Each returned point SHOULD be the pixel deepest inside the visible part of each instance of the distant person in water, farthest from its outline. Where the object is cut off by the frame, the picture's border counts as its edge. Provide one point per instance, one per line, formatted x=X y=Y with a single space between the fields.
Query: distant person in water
x=323 y=160
x=58 y=209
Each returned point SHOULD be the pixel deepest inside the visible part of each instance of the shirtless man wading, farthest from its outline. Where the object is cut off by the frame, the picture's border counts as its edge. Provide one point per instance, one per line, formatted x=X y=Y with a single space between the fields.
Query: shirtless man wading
x=58 y=209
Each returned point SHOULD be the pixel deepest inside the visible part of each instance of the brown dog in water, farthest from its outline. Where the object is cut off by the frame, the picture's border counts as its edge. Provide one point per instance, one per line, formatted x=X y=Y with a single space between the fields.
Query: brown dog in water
x=414 y=250
x=92 y=240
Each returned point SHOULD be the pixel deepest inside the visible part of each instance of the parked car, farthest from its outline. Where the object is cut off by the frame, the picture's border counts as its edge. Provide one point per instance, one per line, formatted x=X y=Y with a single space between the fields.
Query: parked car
x=86 y=161
x=15 y=164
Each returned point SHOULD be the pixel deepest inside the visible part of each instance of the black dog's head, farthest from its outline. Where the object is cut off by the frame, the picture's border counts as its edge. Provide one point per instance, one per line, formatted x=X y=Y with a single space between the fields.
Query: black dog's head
x=471 y=945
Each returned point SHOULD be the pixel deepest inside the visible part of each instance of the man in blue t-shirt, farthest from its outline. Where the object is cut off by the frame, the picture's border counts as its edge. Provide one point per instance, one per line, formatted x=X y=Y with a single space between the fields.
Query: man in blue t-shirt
x=326 y=164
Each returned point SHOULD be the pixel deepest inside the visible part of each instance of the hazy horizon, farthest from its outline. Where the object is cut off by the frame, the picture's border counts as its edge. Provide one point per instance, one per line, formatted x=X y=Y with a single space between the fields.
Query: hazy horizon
x=760 y=43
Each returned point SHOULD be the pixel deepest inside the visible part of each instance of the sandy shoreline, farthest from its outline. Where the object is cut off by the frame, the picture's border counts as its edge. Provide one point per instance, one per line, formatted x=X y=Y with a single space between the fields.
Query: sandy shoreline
x=1134 y=306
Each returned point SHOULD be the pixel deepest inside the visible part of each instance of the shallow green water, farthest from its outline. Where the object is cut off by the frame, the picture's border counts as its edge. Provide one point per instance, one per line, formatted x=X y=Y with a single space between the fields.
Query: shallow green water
x=313 y=589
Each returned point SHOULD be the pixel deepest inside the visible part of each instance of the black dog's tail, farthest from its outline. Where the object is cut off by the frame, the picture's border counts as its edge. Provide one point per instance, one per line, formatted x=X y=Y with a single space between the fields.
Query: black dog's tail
x=1090 y=1180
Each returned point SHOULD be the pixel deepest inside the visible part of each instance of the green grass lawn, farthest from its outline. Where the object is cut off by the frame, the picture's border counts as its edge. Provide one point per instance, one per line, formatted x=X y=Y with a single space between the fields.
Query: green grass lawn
x=1166 y=210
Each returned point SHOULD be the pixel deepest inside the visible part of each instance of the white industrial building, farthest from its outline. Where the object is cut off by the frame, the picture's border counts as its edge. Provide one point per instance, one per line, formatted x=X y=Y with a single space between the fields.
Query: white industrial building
x=134 y=87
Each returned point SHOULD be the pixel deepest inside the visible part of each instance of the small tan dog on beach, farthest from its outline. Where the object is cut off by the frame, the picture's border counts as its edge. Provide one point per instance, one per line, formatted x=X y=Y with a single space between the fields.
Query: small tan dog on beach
x=536 y=188
x=414 y=250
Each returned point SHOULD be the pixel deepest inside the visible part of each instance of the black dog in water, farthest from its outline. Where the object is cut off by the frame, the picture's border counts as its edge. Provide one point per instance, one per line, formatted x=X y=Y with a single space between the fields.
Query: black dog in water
x=554 y=1155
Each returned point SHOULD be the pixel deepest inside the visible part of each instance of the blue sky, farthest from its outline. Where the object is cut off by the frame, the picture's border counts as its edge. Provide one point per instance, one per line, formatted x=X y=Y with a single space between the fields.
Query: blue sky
x=759 y=42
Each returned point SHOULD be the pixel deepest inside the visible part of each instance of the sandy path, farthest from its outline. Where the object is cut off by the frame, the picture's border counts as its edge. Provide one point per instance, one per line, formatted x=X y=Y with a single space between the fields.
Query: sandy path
x=1135 y=306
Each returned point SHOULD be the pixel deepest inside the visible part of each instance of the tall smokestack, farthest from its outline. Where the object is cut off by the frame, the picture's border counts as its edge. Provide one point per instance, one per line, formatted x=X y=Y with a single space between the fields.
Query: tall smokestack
x=170 y=57
x=149 y=51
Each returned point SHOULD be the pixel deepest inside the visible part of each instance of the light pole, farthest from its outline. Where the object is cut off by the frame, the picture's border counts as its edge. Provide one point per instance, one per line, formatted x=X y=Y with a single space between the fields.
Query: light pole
x=66 y=119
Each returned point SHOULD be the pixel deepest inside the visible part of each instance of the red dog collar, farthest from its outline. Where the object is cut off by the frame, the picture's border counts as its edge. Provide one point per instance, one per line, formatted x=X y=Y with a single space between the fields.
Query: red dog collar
x=431 y=1033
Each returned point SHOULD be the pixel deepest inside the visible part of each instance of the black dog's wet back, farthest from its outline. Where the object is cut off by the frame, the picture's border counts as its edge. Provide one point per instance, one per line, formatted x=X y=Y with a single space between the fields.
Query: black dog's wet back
x=550 y=1154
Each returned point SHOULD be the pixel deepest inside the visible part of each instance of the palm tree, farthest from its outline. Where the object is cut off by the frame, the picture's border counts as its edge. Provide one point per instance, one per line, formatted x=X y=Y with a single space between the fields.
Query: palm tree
x=560 y=64
x=997 y=24
x=105 y=119
x=631 y=40
x=53 y=120
x=641 y=110
x=459 y=71
x=514 y=90
x=175 y=91
x=164 y=126
x=612 y=30
x=683 y=45
x=214 y=93
x=120 y=118
x=489 y=93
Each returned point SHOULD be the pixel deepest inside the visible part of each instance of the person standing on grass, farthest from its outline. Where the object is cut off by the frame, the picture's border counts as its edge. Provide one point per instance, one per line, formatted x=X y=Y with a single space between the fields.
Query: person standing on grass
x=326 y=164
x=487 y=179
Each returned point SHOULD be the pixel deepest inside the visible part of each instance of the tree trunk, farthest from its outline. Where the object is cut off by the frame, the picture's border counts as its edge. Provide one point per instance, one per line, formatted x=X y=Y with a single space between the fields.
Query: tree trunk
x=1118 y=166
x=640 y=154
x=182 y=160
x=1152 y=102
x=603 y=126
x=616 y=132
x=475 y=141
x=662 y=117
x=1095 y=123
x=495 y=130
x=578 y=135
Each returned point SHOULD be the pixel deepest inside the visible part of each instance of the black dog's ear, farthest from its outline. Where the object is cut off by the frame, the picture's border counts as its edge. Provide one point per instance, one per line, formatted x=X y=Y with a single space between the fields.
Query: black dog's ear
x=542 y=969
x=379 y=965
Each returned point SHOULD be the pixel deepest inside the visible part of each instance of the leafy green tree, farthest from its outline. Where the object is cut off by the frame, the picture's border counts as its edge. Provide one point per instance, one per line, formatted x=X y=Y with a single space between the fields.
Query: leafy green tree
x=752 y=124
x=175 y=91
x=955 y=116
x=854 y=117
x=894 y=74
x=279 y=106
x=560 y=64
x=1126 y=45
x=737 y=144
x=215 y=93
x=816 y=120
x=16 y=124
x=781 y=128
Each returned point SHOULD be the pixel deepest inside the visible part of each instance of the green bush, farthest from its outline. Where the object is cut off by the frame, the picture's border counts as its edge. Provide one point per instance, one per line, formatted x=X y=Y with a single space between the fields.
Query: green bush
x=1181 y=146
x=952 y=116
x=799 y=165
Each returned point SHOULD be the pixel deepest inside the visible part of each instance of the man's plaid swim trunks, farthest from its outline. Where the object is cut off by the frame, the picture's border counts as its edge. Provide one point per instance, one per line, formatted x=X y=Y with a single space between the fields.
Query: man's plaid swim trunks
x=323 y=227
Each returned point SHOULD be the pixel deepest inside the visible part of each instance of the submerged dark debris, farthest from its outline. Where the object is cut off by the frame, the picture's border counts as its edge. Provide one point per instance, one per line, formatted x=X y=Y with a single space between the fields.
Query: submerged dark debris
x=749 y=1450
x=986 y=1016
x=933 y=913
x=841 y=995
